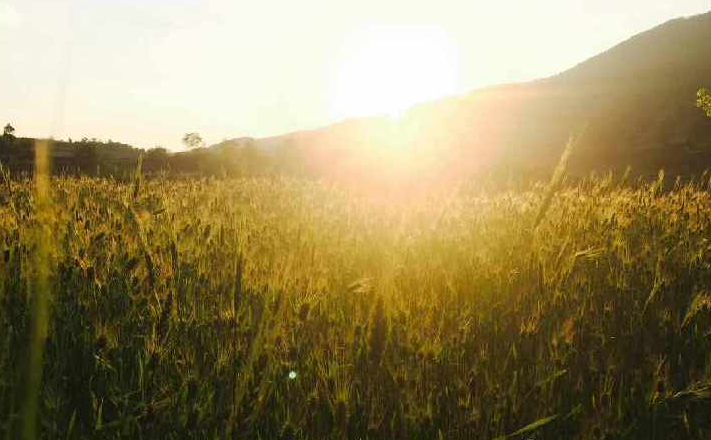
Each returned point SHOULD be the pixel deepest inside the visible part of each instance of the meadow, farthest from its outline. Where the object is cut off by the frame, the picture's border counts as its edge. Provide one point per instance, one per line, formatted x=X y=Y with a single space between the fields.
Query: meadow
x=278 y=308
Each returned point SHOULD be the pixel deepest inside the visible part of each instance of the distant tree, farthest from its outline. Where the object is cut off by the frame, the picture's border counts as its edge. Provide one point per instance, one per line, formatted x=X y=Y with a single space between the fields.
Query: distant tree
x=8 y=131
x=704 y=101
x=8 y=138
x=156 y=158
x=87 y=158
x=193 y=140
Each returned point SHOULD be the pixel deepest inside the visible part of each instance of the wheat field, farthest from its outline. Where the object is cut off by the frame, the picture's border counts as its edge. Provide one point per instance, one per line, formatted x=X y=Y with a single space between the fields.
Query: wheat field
x=287 y=309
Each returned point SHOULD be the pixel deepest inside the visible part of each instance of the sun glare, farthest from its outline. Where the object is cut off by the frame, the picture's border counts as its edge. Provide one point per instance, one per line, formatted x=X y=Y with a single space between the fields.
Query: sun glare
x=385 y=70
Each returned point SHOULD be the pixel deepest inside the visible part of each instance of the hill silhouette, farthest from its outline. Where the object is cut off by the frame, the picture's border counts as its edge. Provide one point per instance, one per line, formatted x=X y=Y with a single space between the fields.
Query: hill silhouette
x=637 y=100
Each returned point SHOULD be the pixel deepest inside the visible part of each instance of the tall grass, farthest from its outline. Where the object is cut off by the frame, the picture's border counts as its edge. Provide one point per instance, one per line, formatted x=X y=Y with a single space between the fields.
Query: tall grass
x=39 y=291
x=276 y=308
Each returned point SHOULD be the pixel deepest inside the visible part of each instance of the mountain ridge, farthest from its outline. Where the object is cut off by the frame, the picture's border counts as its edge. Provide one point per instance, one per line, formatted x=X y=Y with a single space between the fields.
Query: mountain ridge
x=639 y=95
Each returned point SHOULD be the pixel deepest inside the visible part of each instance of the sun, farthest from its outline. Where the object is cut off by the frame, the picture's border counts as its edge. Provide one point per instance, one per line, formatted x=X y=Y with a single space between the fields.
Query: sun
x=386 y=69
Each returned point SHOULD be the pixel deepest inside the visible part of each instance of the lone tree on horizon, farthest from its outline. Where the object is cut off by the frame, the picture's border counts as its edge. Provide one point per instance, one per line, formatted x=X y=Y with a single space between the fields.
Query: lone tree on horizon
x=193 y=140
x=8 y=130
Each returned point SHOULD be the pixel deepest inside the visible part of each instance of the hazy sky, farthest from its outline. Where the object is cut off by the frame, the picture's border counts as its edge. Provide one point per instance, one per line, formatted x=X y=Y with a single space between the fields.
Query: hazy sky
x=147 y=71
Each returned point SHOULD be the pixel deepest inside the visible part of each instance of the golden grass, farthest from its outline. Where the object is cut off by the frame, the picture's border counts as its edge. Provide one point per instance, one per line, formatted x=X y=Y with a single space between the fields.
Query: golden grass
x=181 y=308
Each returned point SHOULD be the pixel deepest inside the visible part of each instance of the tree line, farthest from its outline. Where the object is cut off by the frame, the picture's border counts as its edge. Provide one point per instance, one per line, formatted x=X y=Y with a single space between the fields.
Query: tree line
x=108 y=158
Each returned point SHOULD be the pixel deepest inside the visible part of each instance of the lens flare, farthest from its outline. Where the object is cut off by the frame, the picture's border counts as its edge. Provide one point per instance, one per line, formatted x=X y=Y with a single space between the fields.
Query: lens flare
x=385 y=70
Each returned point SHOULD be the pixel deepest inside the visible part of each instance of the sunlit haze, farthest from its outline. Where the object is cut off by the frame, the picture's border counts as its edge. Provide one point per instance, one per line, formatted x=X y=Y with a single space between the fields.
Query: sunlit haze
x=389 y=68
x=146 y=72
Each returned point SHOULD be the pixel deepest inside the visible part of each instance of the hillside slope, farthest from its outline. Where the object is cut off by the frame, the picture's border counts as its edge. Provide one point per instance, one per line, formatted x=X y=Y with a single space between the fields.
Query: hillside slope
x=636 y=99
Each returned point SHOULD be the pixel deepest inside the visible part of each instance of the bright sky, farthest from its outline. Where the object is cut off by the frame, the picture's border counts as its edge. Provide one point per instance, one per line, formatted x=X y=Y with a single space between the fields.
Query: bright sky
x=147 y=71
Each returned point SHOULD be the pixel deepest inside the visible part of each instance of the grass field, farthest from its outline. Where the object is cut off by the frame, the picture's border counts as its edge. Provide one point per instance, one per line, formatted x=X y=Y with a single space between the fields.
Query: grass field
x=284 y=309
